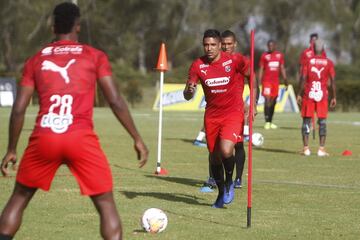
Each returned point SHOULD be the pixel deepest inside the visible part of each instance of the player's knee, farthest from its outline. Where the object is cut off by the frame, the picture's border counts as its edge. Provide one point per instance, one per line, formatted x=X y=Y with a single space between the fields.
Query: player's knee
x=305 y=129
x=322 y=126
x=227 y=152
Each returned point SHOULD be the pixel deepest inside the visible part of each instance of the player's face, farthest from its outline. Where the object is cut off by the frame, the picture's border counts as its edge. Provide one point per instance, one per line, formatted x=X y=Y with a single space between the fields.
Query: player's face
x=212 y=48
x=228 y=44
x=271 y=46
x=313 y=39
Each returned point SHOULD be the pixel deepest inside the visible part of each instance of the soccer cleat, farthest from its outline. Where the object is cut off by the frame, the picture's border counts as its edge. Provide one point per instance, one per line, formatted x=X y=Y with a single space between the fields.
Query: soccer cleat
x=199 y=143
x=208 y=186
x=229 y=192
x=267 y=125
x=273 y=126
x=306 y=151
x=237 y=183
x=322 y=153
x=219 y=203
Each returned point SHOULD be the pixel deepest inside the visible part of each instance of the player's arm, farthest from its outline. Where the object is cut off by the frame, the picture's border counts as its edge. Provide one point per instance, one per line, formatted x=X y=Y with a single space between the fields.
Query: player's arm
x=301 y=89
x=121 y=111
x=333 y=90
x=283 y=74
x=16 y=123
x=255 y=87
x=190 y=87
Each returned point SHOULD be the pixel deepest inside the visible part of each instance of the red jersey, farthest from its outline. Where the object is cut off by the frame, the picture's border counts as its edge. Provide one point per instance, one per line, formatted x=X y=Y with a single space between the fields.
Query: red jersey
x=316 y=73
x=64 y=74
x=271 y=63
x=307 y=54
x=219 y=82
x=240 y=76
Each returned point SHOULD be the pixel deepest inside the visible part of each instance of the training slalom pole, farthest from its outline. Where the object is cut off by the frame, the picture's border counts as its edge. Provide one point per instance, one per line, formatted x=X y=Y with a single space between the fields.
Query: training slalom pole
x=161 y=66
x=251 y=109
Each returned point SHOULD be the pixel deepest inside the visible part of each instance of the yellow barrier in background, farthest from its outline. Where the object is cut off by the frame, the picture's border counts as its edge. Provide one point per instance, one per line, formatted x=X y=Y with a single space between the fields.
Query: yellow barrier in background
x=173 y=99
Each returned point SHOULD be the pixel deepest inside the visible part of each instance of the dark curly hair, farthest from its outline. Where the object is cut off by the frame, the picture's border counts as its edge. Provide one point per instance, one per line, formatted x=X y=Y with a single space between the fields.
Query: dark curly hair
x=65 y=15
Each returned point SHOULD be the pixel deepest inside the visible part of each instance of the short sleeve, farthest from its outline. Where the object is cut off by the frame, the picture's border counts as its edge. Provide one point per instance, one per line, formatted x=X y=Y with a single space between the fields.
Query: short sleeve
x=282 y=60
x=302 y=58
x=193 y=76
x=103 y=67
x=242 y=64
x=262 y=61
x=28 y=75
x=305 y=69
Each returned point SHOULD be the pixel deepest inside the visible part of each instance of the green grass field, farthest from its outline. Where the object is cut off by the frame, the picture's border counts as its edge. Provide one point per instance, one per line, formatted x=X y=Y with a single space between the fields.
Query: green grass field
x=294 y=197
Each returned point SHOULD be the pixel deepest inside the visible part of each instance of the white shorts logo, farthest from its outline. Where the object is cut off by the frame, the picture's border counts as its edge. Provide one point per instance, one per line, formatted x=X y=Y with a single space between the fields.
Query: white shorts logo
x=58 y=122
x=49 y=65
x=213 y=82
x=315 y=92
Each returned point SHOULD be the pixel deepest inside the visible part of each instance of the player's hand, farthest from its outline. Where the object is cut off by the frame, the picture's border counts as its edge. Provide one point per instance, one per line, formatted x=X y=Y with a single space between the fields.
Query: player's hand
x=142 y=152
x=299 y=100
x=191 y=88
x=333 y=102
x=10 y=157
x=286 y=85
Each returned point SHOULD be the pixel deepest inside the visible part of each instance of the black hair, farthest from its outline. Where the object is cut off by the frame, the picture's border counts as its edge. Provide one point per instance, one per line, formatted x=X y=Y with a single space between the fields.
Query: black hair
x=228 y=33
x=212 y=33
x=65 y=15
x=314 y=35
x=271 y=41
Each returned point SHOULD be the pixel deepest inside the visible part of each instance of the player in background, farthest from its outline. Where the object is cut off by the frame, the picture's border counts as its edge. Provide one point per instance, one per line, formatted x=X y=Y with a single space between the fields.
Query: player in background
x=271 y=64
x=64 y=74
x=313 y=95
x=309 y=52
x=224 y=115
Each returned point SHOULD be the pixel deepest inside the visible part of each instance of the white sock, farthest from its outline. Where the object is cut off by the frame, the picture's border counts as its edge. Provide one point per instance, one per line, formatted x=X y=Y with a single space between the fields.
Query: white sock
x=246 y=130
x=200 y=136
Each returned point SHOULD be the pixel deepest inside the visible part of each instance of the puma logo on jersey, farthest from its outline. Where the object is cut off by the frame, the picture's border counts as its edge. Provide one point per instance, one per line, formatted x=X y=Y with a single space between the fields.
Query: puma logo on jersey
x=49 y=65
x=317 y=71
x=203 y=71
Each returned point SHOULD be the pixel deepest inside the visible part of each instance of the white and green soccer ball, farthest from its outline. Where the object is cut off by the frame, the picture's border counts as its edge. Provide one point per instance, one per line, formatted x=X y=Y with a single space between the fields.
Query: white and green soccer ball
x=154 y=220
x=257 y=139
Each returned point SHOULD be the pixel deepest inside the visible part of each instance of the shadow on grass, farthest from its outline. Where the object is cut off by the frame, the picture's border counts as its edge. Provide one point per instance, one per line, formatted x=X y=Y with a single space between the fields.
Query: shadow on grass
x=184 y=181
x=276 y=150
x=173 y=197
x=290 y=128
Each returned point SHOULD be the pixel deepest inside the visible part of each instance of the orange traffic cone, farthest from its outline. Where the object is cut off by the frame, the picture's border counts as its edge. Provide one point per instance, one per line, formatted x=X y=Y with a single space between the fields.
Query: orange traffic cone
x=162 y=64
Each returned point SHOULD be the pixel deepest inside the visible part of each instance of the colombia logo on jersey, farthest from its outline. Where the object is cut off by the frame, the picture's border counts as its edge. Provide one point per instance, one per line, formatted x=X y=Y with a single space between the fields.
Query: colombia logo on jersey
x=213 y=82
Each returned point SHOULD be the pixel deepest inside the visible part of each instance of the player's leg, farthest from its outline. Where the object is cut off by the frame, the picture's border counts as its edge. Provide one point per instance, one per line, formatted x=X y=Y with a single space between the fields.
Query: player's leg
x=110 y=224
x=267 y=112
x=322 y=136
x=11 y=216
x=239 y=163
x=305 y=131
x=218 y=173
x=210 y=184
x=322 y=110
x=272 y=110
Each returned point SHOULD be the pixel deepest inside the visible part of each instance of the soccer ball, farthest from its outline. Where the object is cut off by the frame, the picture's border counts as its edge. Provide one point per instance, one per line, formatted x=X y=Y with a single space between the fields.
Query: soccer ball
x=257 y=139
x=154 y=220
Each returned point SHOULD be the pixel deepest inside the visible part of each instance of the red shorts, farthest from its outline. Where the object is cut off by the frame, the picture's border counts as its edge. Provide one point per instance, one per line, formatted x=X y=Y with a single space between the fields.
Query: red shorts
x=79 y=150
x=270 y=90
x=229 y=127
x=309 y=106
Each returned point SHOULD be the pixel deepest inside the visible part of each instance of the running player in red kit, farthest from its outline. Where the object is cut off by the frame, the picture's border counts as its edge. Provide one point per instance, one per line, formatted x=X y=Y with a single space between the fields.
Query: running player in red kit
x=64 y=74
x=271 y=64
x=224 y=112
x=313 y=95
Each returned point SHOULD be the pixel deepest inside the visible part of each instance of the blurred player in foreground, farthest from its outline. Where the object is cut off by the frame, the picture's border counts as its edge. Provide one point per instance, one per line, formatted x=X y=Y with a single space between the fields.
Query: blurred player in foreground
x=271 y=64
x=313 y=95
x=64 y=74
x=224 y=115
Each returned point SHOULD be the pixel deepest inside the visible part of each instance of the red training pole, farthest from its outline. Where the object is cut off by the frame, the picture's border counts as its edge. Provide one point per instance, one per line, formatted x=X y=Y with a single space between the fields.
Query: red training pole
x=252 y=35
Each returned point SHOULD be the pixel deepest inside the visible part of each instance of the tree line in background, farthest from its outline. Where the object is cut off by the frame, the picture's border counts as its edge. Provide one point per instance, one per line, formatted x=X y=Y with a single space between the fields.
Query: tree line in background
x=130 y=32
